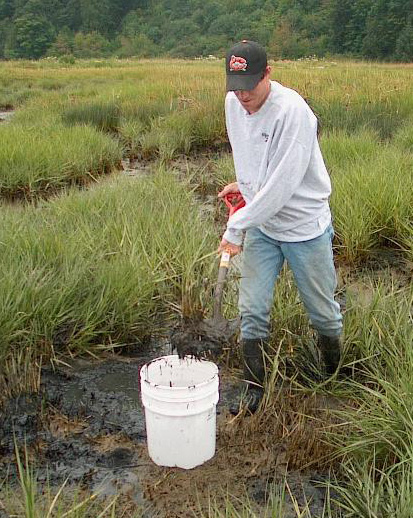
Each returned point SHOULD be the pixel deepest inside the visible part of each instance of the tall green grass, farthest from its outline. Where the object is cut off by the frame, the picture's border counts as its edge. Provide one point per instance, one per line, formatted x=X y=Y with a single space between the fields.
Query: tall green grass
x=154 y=122
x=404 y=136
x=209 y=174
x=371 y=439
x=102 y=115
x=375 y=440
x=383 y=347
x=178 y=107
x=374 y=493
x=10 y=99
x=102 y=267
x=372 y=194
x=382 y=116
x=34 y=160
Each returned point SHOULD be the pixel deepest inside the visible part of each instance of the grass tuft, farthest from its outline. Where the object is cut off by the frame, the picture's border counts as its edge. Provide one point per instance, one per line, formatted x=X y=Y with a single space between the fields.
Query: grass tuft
x=34 y=162
x=103 y=115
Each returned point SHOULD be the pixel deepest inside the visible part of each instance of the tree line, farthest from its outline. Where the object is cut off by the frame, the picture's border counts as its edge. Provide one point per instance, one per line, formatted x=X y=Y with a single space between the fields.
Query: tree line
x=290 y=29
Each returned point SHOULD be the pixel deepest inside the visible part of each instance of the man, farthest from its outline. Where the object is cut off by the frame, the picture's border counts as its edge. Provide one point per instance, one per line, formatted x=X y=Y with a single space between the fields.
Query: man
x=282 y=176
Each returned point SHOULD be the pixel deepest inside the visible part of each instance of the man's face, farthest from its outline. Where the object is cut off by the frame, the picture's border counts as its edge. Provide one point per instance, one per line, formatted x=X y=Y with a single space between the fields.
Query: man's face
x=252 y=100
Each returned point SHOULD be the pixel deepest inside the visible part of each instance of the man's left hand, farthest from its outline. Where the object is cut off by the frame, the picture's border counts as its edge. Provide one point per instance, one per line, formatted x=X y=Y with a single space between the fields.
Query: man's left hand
x=226 y=246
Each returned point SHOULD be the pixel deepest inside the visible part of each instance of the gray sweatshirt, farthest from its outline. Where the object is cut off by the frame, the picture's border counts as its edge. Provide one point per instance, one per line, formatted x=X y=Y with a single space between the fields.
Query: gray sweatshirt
x=279 y=168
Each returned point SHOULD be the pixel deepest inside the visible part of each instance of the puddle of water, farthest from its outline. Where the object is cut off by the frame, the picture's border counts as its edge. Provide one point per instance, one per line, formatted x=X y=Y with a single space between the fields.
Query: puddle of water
x=6 y=116
x=126 y=483
x=125 y=383
x=135 y=168
x=74 y=392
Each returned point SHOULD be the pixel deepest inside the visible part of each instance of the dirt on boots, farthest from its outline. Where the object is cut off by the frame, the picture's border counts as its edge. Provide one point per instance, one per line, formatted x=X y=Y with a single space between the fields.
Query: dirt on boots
x=249 y=397
x=330 y=352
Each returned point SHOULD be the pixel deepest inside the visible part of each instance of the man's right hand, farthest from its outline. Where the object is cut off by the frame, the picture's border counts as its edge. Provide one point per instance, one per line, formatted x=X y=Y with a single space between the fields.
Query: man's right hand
x=231 y=188
x=226 y=246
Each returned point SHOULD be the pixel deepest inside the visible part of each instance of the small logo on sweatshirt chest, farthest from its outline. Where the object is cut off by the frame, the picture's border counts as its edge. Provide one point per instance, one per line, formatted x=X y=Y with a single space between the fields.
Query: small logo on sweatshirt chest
x=265 y=136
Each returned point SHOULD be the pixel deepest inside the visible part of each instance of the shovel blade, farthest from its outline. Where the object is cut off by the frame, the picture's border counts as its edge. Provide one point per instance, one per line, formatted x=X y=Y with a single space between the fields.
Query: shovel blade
x=219 y=330
x=206 y=336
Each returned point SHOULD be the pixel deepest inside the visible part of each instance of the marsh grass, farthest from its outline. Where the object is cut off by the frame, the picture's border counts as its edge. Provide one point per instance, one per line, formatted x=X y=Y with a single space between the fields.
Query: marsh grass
x=368 y=429
x=404 y=136
x=372 y=198
x=375 y=445
x=373 y=493
x=19 y=373
x=102 y=267
x=13 y=98
x=342 y=149
x=183 y=131
x=161 y=118
x=104 y=115
x=36 y=160
x=168 y=136
x=380 y=116
x=382 y=346
x=209 y=175
x=131 y=132
x=178 y=107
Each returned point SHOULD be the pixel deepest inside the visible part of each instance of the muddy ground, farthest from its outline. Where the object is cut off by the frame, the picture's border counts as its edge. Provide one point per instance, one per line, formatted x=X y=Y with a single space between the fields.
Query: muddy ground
x=87 y=425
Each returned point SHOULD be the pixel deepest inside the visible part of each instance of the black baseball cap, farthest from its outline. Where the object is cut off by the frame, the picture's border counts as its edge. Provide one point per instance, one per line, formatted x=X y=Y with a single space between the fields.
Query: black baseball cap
x=246 y=62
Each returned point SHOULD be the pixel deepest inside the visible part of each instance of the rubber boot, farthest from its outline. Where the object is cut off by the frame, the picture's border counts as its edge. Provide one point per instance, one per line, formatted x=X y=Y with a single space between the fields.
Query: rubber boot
x=250 y=395
x=330 y=352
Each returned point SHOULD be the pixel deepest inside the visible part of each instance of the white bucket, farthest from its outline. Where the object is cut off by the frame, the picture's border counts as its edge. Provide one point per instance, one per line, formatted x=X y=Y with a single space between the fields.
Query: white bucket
x=180 y=398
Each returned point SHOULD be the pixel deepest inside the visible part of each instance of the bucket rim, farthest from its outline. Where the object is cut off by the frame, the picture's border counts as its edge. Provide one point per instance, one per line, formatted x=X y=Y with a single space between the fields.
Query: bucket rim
x=175 y=356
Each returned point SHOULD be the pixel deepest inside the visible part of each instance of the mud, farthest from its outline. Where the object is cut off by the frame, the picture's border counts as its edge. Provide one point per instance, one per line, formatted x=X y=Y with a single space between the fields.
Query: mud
x=87 y=425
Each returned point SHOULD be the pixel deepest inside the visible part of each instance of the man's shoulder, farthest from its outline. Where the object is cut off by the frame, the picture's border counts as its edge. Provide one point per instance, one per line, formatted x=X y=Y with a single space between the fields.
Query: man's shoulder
x=284 y=94
x=232 y=105
x=287 y=100
x=230 y=97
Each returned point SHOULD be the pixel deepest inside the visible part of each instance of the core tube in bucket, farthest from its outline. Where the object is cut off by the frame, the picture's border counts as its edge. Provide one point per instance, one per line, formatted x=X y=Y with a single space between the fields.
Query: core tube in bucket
x=180 y=398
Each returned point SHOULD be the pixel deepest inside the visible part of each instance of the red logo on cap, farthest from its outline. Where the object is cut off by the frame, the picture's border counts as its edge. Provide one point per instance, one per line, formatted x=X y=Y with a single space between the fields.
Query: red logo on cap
x=237 y=63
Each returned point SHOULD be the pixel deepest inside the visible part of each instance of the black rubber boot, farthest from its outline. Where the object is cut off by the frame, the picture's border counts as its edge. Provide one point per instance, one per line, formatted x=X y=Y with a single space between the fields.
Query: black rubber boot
x=330 y=352
x=251 y=393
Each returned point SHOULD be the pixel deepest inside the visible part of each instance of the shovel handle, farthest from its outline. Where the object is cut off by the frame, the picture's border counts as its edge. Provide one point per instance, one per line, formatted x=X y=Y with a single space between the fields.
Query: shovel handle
x=219 y=288
x=233 y=201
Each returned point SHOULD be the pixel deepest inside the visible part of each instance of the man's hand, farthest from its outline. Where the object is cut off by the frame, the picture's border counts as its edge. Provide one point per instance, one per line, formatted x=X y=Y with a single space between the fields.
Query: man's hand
x=231 y=188
x=226 y=246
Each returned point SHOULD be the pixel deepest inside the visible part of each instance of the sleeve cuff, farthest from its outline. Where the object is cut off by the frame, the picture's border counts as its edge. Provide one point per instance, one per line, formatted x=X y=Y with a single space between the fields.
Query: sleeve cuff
x=233 y=236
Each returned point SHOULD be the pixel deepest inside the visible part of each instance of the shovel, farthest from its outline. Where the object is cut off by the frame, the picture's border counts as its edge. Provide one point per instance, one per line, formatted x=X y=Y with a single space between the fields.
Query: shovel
x=212 y=333
x=218 y=329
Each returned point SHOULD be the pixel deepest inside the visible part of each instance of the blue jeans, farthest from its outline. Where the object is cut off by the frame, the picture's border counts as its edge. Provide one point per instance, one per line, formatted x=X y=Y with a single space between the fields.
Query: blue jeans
x=313 y=268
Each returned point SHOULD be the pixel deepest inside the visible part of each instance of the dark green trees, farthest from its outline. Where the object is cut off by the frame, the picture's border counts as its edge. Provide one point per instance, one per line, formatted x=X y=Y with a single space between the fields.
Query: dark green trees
x=33 y=35
x=376 y=29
